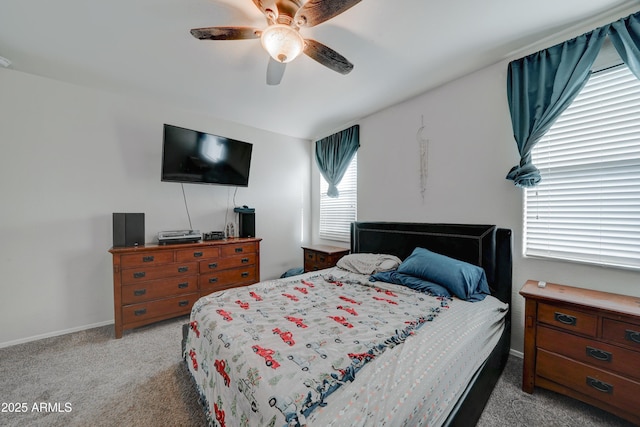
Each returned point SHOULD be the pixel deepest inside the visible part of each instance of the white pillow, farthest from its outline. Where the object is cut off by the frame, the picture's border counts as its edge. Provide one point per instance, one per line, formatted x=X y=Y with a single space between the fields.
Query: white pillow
x=368 y=263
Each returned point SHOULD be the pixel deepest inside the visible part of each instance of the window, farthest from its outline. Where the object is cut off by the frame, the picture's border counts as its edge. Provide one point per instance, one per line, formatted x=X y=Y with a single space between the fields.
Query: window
x=587 y=206
x=337 y=214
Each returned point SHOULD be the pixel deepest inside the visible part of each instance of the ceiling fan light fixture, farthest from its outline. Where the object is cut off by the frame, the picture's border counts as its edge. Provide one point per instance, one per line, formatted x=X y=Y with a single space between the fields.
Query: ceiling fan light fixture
x=283 y=42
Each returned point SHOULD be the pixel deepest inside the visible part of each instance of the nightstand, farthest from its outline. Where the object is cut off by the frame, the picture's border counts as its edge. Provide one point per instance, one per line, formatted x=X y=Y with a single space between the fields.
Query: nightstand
x=584 y=344
x=318 y=257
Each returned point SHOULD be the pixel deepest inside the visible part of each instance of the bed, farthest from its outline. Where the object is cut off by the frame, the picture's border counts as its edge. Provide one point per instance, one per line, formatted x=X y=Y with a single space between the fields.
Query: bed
x=350 y=346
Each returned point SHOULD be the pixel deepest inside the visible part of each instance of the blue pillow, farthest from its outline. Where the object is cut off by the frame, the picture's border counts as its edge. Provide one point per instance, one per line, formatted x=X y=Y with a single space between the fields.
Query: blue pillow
x=464 y=280
x=411 y=282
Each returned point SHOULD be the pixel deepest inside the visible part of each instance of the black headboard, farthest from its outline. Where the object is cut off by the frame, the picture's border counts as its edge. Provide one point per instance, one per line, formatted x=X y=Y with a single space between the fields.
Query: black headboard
x=484 y=245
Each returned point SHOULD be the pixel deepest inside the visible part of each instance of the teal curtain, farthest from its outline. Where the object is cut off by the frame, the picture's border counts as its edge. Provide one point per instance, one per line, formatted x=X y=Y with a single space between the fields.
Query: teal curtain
x=540 y=87
x=333 y=155
x=625 y=36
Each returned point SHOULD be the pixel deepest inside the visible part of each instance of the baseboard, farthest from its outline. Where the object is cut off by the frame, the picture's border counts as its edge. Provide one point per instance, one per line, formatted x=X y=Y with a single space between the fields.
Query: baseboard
x=55 y=334
x=516 y=353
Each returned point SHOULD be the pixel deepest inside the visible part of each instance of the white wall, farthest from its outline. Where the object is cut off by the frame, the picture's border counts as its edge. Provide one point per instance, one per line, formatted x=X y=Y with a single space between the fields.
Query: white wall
x=471 y=149
x=71 y=156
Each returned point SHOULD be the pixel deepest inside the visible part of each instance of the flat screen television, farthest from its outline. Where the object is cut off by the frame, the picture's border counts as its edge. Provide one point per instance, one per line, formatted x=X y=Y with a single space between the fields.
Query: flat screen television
x=198 y=157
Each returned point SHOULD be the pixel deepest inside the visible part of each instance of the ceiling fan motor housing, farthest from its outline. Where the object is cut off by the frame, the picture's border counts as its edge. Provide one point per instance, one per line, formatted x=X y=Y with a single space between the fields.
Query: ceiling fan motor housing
x=287 y=10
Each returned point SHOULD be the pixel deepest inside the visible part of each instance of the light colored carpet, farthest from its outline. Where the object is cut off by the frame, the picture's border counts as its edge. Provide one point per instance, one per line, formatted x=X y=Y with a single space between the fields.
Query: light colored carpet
x=89 y=378
x=138 y=380
x=509 y=406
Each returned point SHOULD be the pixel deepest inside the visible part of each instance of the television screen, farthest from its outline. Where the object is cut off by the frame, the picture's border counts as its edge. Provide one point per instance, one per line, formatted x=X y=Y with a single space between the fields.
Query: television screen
x=198 y=157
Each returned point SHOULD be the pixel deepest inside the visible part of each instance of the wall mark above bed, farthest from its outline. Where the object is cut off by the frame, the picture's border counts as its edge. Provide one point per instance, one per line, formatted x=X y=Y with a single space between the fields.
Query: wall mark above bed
x=423 y=146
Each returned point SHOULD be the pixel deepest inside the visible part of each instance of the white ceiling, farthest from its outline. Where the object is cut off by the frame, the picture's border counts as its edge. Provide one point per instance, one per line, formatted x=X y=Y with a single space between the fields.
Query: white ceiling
x=399 y=48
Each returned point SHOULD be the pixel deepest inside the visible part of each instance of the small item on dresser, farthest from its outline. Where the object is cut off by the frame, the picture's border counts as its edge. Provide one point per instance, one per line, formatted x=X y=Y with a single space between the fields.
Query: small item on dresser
x=246 y=221
x=213 y=235
x=179 y=236
x=542 y=284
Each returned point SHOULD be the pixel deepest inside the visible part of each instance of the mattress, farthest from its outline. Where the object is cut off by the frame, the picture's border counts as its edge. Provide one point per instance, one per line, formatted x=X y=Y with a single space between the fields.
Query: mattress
x=331 y=348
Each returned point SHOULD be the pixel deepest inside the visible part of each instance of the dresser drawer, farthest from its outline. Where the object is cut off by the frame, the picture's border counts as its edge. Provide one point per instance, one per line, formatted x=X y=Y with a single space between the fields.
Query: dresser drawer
x=314 y=266
x=626 y=334
x=195 y=254
x=135 y=275
x=225 y=263
x=310 y=256
x=223 y=279
x=567 y=318
x=237 y=249
x=591 y=352
x=314 y=260
x=146 y=259
x=599 y=384
x=310 y=265
x=323 y=259
x=161 y=288
x=182 y=304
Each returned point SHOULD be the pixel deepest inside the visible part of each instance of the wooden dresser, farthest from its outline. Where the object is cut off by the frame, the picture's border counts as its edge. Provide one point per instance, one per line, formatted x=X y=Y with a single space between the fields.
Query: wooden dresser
x=318 y=257
x=157 y=282
x=584 y=344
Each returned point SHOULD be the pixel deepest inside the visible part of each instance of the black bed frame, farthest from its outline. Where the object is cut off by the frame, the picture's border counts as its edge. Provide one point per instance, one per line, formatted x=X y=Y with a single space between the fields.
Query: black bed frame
x=484 y=245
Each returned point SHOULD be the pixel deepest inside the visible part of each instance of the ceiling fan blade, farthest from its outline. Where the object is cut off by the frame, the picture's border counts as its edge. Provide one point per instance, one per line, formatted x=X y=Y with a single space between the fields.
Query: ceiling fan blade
x=327 y=56
x=268 y=7
x=226 y=33
x=315 y=12
x=275 y=71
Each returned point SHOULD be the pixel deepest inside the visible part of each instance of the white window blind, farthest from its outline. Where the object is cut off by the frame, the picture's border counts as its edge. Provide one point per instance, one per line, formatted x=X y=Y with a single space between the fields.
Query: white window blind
x=337 y=214
x=587 y=206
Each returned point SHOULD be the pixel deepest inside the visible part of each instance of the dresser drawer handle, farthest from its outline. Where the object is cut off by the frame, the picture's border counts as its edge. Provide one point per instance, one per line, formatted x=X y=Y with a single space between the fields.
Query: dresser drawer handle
x=213 y=279
x=245 y=274
x=213 y=265
x=599 y=385
x=239 y=250
x=183 y=285
x=139 y=274
x=140 y=312
x=183 y=303
x=183 y=269
x=321 y=258
x=244 y=260
x=565 y=319
x=310 y=256
x=197 y=254
x=139 y=292
x=632 y=336
x=148 y=258
x=598 y=354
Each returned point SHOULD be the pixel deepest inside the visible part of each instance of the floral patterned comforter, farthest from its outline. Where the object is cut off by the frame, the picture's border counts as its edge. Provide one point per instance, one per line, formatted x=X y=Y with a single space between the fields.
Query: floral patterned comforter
x=277 y=352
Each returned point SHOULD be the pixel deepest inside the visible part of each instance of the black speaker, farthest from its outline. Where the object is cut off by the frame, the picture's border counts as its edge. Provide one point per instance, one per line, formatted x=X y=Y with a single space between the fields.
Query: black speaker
x=247 y=227
x=246 y=220
x=128 y=229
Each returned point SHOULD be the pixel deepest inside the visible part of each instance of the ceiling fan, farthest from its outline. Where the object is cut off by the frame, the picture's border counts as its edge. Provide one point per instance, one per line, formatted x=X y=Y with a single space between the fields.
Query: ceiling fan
x=281 y=38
